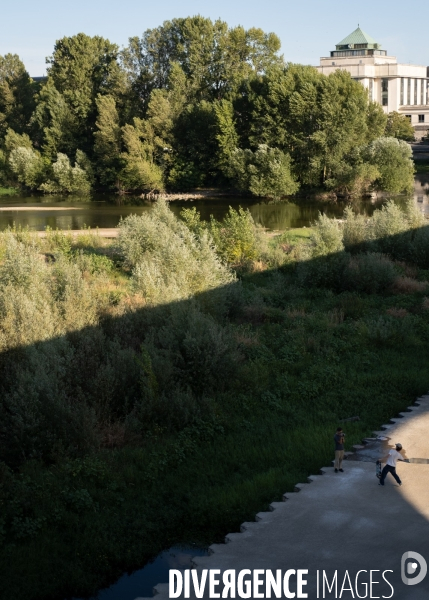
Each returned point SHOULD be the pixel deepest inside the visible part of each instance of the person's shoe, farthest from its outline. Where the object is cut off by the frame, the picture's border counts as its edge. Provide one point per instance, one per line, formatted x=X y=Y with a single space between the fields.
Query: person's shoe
x=400 y=483
x=341 y=471
x=336 y=470
x=382 y=484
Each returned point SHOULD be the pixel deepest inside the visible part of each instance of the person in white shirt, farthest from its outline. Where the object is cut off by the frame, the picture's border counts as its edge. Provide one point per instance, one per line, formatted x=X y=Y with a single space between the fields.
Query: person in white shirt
x=390 y=466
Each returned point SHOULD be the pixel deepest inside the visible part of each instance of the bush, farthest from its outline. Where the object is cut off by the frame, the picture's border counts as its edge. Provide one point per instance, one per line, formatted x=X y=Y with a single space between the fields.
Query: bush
x=326 y=237
x=369 y=273
x=393 y=158
x=169 y=262
x=265 y=172
x=235 y=237
x=66 y=178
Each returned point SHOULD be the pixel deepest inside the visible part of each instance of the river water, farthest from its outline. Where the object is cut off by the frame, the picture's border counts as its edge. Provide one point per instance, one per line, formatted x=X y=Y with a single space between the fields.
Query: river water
x=105 y=211
x=38 y=212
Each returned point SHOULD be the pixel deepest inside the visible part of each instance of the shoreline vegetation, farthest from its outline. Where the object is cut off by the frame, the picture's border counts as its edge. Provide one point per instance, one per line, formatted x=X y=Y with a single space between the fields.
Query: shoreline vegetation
x=208 y=358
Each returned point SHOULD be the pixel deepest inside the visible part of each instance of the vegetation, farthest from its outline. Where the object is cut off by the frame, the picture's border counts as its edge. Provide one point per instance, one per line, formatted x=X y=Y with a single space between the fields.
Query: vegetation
x=191 y=103
x=126 y=366
x=399 y=126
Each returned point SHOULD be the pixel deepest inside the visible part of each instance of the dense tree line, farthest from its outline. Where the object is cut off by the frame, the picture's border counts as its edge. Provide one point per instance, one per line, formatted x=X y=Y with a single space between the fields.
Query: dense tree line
x=192 y=103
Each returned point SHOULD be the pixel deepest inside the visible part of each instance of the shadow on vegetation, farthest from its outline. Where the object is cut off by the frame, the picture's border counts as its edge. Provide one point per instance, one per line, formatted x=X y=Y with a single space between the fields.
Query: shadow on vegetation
x=176 y=422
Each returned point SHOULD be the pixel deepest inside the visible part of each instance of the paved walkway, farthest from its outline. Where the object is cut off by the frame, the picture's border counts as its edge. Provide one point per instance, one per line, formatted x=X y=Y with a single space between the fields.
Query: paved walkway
x=344 y=522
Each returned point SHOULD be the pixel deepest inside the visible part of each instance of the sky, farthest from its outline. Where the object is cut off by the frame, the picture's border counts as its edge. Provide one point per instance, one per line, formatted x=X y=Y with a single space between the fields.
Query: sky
x=308 y=29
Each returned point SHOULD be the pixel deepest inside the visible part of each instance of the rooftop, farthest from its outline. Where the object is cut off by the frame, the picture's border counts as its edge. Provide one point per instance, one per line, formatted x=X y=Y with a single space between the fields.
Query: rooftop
x=358 y=37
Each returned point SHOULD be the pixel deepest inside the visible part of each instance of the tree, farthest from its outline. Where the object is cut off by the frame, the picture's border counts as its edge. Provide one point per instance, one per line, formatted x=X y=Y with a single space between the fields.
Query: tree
x=56 y=127
x=65 y=178
x=226 y=136
x=82 y=68
x=214 y=58
x=16 y=95
x=28 y=166
x=107 y=147
x=399 y=126
x=393 y=159
x=266 y=172
x=21 y=162
x=139 y=171
x=319 y=120
x=195 y=142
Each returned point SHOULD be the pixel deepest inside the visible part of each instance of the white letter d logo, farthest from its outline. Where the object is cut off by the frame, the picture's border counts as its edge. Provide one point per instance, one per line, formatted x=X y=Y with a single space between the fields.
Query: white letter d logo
x=409 y=568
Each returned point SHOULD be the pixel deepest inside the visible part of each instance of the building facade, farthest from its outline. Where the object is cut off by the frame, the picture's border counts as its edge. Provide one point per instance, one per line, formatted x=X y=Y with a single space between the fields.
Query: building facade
x=397 y=87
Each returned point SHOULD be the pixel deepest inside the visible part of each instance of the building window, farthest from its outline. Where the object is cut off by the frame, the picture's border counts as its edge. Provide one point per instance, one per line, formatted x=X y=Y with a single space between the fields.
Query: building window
x=402 y=91
x=409 y=117
x=333 y=64
x=421 y=118
x=416 y=98
x=409 y=92
x=384 y=92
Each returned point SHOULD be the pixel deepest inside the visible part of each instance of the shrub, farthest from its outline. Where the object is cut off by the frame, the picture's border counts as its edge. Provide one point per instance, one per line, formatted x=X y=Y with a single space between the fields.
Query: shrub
x=265 y=172
x=66 y=178
x=393 y=158
x=356 y=231
x=28 y=166
x=388 y=330
x=407 y=285
x=369 y=273
x=326 y=237
x=235 y=237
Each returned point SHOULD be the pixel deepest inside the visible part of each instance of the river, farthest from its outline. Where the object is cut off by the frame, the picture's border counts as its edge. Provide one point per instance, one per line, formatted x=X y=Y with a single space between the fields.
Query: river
x=105 y=211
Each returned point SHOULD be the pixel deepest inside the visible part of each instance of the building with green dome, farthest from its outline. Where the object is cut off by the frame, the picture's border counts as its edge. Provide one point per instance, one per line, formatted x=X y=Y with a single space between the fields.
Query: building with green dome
x=399 y=87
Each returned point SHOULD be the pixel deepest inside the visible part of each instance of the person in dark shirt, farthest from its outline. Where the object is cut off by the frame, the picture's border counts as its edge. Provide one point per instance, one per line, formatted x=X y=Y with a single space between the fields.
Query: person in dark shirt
x=339 y=450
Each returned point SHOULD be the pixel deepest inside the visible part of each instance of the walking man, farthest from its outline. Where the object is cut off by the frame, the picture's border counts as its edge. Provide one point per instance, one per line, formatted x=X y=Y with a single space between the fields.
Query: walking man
x=339 y=450
x=390 y=466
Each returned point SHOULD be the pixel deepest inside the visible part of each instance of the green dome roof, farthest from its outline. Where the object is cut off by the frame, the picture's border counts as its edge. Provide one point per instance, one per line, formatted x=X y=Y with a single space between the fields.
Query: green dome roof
x=358 y=37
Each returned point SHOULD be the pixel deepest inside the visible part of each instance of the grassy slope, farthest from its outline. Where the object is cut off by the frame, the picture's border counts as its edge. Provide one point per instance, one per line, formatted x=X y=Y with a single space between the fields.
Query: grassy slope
x=308 y=363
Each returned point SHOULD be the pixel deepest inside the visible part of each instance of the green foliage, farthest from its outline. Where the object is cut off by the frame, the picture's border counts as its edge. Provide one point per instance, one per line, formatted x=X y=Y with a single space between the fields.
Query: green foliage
x=266 y=172
x=197 y=103
x=107 y=145
x=227 y=137
x=326 y=236
x=393 y=158
x=16 y=95
x=66 y=178
x=214 y=57
x=108 y=406
x=184 y=175
x=369 y=273
x=235 y=237
x=28 y=166
x=55 y=125
x=139 y=171
x=81 y=68
x=399 y=126
x=168 y=261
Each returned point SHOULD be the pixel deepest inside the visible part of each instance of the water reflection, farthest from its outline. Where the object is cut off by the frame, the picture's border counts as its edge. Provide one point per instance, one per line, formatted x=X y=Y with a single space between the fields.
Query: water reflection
x=38 y=212
x=140 y=583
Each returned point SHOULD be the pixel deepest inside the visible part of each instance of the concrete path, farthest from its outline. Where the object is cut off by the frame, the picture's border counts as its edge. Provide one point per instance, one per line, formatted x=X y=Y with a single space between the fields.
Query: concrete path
x=344 y=522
